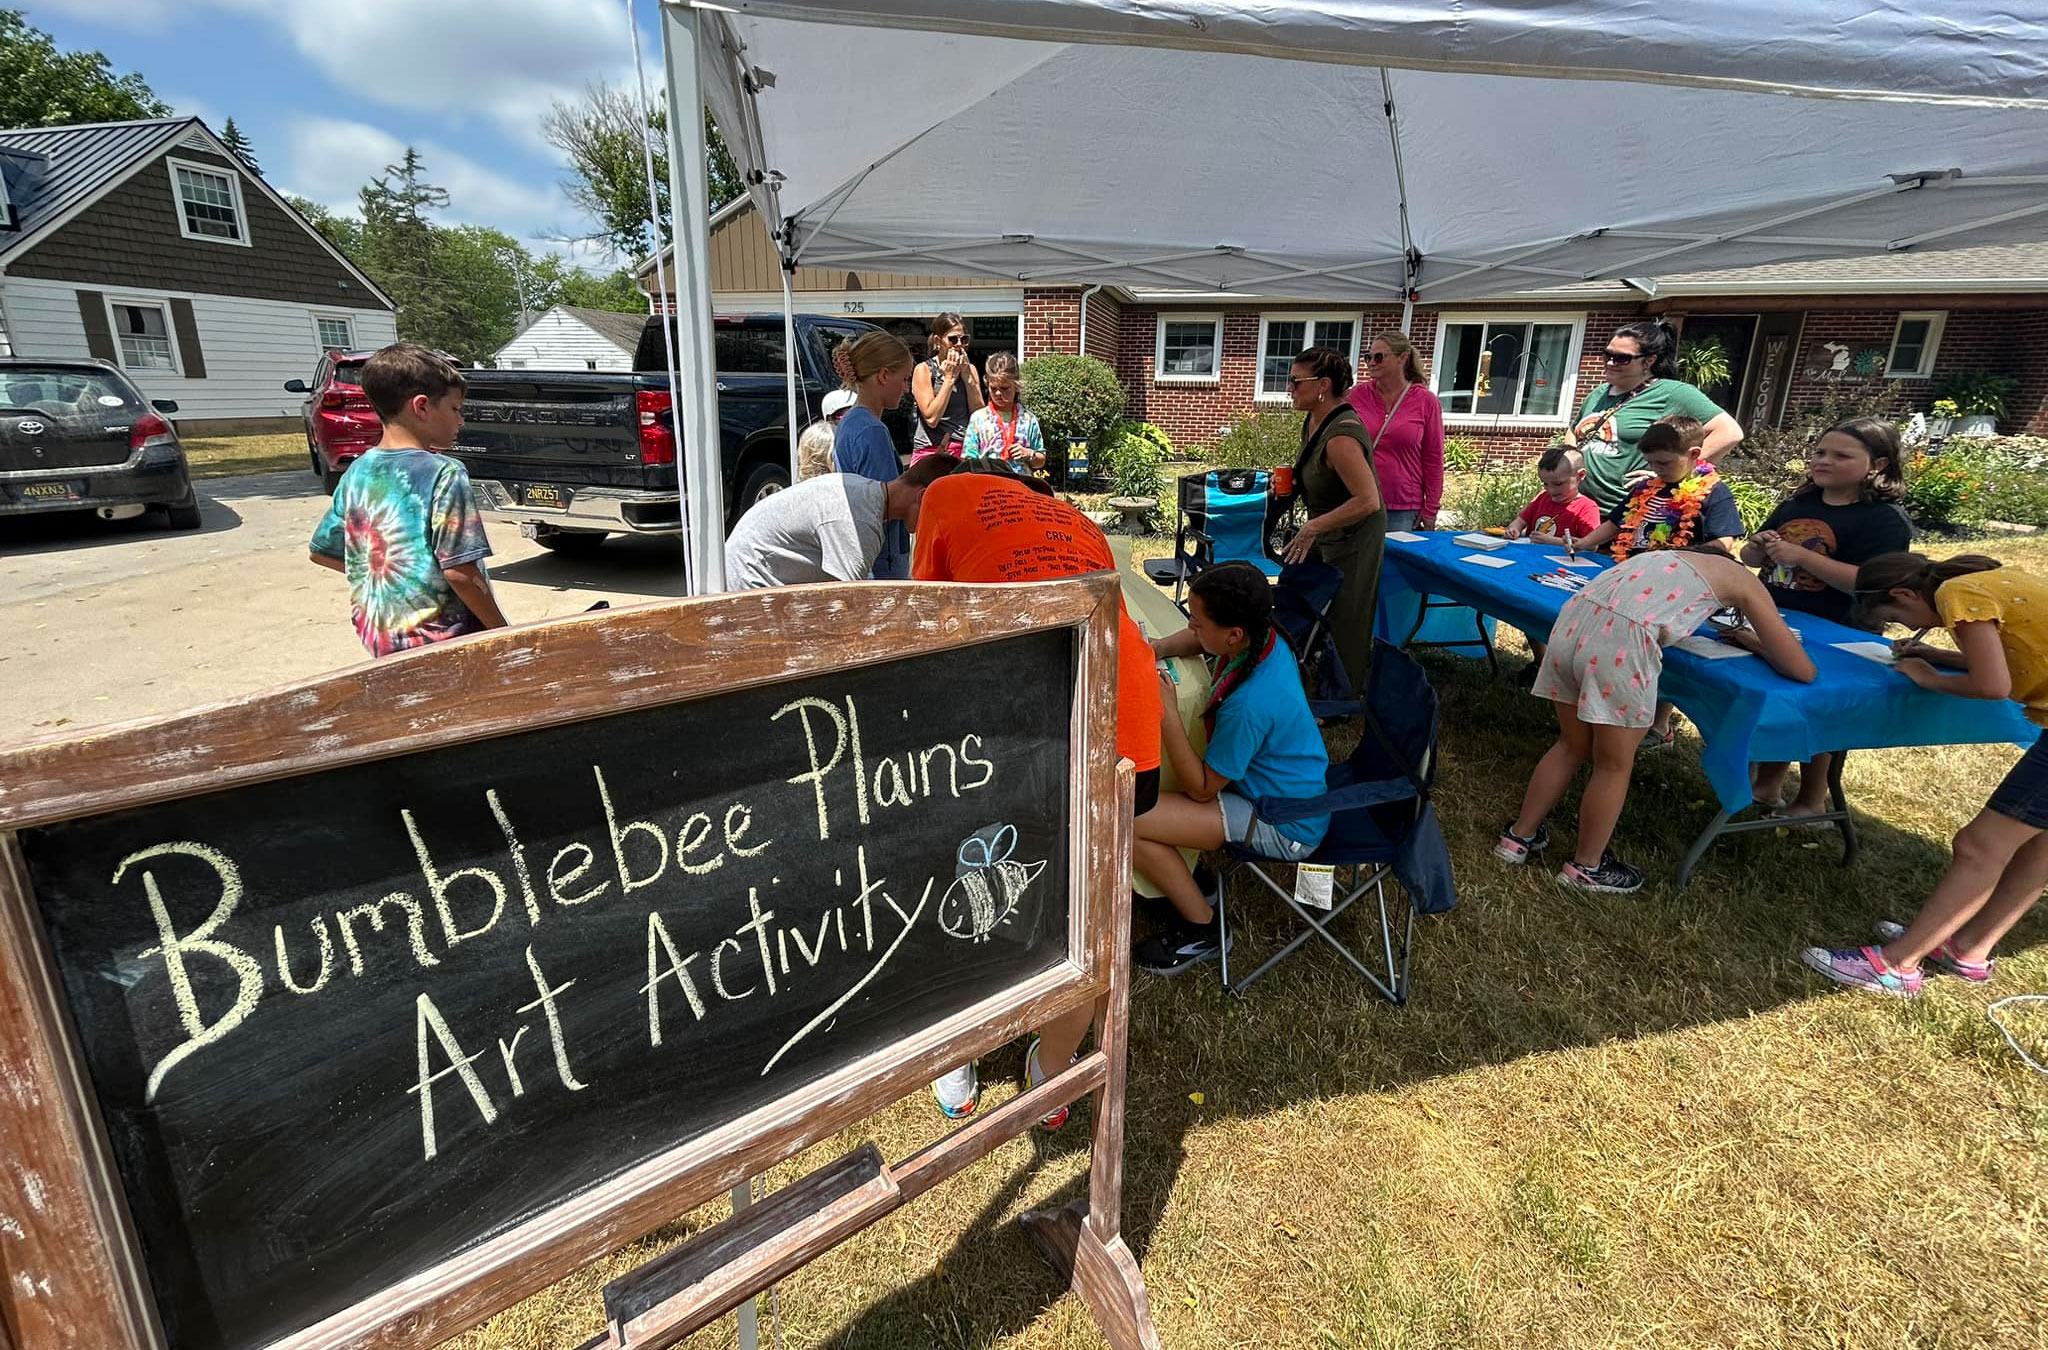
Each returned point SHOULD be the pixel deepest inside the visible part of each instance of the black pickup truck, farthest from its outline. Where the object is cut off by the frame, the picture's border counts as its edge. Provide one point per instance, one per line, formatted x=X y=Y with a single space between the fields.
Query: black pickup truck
x=573 y=456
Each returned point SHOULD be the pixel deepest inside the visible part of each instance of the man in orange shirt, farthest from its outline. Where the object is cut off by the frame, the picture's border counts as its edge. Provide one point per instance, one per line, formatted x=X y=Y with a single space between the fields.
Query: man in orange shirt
x=994 y=526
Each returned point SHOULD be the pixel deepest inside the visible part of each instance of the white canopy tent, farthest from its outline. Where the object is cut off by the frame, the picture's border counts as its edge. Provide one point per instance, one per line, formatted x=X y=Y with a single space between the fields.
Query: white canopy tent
x=1371 y=151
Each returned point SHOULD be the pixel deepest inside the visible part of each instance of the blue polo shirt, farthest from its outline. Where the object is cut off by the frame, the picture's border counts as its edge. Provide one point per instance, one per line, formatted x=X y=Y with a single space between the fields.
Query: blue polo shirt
x=1267 y=743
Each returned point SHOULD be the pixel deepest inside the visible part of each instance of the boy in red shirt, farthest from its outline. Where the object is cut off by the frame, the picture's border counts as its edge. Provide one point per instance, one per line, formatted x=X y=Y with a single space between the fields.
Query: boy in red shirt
x=1561 y=506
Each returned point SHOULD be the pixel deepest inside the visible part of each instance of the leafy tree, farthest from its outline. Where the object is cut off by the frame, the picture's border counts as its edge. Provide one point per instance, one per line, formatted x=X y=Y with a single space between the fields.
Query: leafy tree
x=344 y=232
x=231 y=136
x=43 y=87
x=602 y=135
x=553 y=281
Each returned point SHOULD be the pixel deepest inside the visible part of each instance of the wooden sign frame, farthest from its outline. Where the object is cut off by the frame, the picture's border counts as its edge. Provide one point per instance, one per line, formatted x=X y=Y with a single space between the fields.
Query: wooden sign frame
x=70 y=1267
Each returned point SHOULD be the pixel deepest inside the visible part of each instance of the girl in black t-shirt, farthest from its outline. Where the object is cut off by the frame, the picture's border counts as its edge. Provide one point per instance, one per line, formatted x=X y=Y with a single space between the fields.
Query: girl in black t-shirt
x=1845 y=513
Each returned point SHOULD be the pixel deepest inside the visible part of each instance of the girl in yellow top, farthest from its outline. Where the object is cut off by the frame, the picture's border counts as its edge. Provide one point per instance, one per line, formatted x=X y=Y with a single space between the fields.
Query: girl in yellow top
x=1999 y=617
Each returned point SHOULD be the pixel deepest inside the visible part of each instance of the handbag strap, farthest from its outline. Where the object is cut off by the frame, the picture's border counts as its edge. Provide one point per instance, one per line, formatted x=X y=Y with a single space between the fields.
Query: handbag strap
x=1372 y=438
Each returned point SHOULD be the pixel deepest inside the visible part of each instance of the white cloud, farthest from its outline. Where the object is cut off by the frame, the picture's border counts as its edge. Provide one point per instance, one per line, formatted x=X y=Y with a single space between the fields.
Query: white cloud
x=505 y=60
x=327 y=160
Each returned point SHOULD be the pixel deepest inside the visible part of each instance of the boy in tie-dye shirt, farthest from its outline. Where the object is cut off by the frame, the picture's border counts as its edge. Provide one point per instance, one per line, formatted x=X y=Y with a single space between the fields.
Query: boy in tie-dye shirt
x=403 y=526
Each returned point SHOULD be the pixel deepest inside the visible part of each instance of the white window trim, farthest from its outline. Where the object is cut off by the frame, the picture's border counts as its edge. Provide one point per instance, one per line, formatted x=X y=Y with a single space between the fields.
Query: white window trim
x=1937 y=320
x=1355 y=319
x=320 y=345
x=1568 y=396
x=1159 y=348
x=162 y=306
x=171 y=166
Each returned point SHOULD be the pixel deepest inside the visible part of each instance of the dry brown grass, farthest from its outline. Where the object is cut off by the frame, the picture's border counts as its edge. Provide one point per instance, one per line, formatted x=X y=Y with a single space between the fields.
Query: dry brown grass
x=1616 y=1121
x=226 y=456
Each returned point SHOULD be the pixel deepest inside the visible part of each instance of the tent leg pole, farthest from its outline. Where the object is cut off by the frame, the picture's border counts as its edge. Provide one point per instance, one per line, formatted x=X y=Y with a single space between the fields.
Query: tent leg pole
x=796 y=427
x=695 y=407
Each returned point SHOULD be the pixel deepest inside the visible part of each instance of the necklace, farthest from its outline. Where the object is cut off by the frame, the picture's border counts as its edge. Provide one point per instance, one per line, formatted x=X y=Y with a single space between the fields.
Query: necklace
x=1656 y=520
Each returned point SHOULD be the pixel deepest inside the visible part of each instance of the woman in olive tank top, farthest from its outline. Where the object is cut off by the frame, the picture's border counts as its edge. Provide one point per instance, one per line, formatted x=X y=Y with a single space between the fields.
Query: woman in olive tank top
x=1347 y=520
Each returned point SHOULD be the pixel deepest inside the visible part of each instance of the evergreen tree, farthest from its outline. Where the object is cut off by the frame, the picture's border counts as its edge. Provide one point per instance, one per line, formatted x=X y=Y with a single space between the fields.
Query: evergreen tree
x=400 y=247
x=232 y=137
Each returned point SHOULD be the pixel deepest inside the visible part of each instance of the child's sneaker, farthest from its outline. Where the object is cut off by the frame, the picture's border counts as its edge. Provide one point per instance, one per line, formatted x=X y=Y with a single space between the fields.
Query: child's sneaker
x=959 y=1092
x=1033 y=1076
x=1863 y=968
x=1941 y=958
x=1180 y=946
x=1512 y=848
x=1612 y=876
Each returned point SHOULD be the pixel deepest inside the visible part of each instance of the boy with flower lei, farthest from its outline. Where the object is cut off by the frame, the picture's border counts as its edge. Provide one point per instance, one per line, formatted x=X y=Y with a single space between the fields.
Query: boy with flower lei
x=1683 y=504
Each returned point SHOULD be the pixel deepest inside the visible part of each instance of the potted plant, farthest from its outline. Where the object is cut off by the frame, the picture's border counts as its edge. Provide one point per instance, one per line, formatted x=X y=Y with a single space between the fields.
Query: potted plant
x=1979 y=398
x=1941 y=418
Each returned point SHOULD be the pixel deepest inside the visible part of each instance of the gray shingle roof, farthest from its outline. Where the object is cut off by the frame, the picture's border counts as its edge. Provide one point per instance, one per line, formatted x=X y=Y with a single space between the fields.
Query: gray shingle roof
x=1908 y=270
x=620 y=329
x=51 y=169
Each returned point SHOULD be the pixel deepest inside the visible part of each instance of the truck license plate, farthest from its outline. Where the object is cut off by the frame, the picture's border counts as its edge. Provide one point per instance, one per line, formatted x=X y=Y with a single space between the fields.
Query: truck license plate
x=542 y=494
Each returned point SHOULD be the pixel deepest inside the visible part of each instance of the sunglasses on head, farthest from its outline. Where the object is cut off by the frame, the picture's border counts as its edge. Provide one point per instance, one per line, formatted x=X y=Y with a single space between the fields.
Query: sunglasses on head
x=1615 y=358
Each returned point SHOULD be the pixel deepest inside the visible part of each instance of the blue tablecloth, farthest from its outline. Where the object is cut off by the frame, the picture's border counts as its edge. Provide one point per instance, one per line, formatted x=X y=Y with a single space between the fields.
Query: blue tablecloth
x=1745 y=711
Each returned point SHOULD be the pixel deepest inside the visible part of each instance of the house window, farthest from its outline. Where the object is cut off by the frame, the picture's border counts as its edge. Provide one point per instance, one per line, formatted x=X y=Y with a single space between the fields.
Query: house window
x=1283 y=336
x=1914 y=344
x=209 y=203
x=6 y=205
x=334 y=332
x=143 y=334
x=590 y=363
x=1508 y=366
x=1190 y=347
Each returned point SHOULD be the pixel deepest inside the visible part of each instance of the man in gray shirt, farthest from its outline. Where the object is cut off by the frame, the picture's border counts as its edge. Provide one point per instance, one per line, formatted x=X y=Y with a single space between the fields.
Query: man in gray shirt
x=827 y=528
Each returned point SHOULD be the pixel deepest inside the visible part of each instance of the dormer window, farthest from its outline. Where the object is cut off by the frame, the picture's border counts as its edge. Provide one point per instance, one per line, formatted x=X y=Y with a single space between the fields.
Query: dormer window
x=209 y=203
x=7 y=216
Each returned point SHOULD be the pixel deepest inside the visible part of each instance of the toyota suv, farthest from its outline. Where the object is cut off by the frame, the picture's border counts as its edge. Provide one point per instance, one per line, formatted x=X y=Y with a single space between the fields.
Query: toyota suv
x=77 y=436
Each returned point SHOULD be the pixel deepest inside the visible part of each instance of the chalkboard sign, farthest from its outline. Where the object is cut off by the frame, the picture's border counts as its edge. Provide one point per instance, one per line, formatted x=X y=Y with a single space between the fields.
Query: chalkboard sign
x=344 y=1026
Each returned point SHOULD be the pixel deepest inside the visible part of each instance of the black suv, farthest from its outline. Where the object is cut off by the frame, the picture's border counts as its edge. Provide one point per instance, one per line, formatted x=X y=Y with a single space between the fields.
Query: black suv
x=77 y=436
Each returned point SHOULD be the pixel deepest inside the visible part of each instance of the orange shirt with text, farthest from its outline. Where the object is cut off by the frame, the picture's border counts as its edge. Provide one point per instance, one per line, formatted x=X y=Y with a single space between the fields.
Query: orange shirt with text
x=979 y=527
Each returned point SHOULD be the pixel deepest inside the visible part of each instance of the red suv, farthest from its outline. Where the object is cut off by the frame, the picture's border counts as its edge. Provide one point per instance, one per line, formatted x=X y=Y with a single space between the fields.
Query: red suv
x=340 y=423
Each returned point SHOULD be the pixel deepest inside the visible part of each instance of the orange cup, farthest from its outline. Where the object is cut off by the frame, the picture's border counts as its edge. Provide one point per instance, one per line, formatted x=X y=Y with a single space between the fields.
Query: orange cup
x=1283 y=481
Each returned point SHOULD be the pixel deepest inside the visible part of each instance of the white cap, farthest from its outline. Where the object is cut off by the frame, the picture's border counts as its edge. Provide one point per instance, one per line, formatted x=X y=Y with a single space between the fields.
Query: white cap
x=837 y=402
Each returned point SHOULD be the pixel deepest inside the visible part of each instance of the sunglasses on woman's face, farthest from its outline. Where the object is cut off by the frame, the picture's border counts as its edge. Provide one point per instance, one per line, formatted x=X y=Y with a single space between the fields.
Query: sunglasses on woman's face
x=1296 y=381
x=957 y=339
x=1374 y=358
x=1615 y=358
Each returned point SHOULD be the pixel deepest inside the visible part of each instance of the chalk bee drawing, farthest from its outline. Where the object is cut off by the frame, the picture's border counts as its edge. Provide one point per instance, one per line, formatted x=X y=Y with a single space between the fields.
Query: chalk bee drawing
x=988 y=889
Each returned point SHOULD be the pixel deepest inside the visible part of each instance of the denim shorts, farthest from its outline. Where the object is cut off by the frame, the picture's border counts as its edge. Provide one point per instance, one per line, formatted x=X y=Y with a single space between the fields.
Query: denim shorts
x=2024 y=793
x=1261 y=838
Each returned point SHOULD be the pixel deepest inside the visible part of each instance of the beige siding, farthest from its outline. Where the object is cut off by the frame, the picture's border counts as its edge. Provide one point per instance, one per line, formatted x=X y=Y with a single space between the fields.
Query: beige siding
x=744 y=260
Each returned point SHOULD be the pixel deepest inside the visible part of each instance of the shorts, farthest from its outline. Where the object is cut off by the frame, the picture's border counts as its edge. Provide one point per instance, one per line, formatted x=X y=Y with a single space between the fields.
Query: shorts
x=2023 y=794
x=1260 y=837
x=1147 y=795
x=1604 y=664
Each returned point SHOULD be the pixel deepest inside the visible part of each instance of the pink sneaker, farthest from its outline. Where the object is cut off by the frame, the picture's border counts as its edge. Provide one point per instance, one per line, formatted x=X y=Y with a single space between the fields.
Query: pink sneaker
x=1941 y=958
x=1863 y=968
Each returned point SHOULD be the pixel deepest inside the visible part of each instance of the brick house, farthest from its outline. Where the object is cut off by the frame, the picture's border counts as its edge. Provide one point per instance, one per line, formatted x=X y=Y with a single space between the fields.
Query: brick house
x=1192 y=362
x=151 y=245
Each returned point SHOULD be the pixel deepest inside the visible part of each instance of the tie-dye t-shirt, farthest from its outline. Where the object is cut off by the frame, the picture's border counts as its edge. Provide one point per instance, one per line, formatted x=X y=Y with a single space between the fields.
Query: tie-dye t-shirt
x=398 y=519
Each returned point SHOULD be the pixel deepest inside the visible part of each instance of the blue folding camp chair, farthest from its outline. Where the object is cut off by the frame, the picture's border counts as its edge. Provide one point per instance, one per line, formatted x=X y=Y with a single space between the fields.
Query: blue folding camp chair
x=1381 y=823
x=1224 y=515
x=1301 y=611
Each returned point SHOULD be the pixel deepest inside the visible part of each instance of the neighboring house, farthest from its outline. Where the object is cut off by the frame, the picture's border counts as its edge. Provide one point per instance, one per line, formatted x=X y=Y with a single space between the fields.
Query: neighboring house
x=569 y=338
x=149 y=244
x=1191 y=362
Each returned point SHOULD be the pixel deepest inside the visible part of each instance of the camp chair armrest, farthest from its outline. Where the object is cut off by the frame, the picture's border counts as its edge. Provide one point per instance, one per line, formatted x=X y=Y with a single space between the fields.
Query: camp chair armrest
x=1352 y=797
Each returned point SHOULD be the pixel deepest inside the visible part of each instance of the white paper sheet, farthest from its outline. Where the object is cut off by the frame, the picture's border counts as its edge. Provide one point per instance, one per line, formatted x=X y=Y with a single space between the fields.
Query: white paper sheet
x=1584 y=564
x=1484 y=541
x=1711 y=648
x=1487 y=560
x=1881 y=652
x=1405 y=536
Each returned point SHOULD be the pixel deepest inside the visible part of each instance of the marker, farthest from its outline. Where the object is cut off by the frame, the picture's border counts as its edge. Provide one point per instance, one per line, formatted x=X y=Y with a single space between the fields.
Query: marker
x=1569 y=551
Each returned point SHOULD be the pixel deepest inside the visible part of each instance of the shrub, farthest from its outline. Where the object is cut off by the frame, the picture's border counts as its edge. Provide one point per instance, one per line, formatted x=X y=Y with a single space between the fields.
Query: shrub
x=1703 y=364
x=1977 y=391
x=1259 y=440
x=1492 y=499
x=1766 y=455
x=1754 y=500
x=1942 y=489
x=1460 y=455
x=1156 y=435
x=1072 y=396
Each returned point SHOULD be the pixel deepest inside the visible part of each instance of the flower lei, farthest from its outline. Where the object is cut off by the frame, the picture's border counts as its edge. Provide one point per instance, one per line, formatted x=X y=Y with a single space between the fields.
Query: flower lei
x=1674 y=525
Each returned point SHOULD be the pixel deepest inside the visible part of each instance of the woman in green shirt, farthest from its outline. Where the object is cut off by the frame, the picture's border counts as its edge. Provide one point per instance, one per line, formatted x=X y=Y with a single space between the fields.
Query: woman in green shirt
x=1642 y=386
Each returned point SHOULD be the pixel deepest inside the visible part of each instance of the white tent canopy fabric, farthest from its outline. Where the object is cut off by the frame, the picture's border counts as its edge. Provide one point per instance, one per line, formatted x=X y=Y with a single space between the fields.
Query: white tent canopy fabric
x=1369 y=150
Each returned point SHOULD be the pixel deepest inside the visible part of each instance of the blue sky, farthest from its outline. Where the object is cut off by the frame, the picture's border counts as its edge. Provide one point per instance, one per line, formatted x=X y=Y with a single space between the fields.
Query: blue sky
x=329 y=91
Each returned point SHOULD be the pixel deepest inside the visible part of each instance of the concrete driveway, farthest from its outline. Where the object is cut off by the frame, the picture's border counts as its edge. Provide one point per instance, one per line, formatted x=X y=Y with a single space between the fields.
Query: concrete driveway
x=107 y=621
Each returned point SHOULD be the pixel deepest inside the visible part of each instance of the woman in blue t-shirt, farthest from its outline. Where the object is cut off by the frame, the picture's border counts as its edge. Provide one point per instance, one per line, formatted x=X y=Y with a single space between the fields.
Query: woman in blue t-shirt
x=1263 y=742
x=876 y=367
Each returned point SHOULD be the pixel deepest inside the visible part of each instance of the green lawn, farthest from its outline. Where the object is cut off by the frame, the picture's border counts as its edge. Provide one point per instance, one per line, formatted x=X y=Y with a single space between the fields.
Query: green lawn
x=1602 y=1122
x=226 y=456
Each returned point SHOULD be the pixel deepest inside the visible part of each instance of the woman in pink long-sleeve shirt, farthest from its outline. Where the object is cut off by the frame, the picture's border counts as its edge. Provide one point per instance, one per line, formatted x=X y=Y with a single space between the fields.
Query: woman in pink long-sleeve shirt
x=1406 y=424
